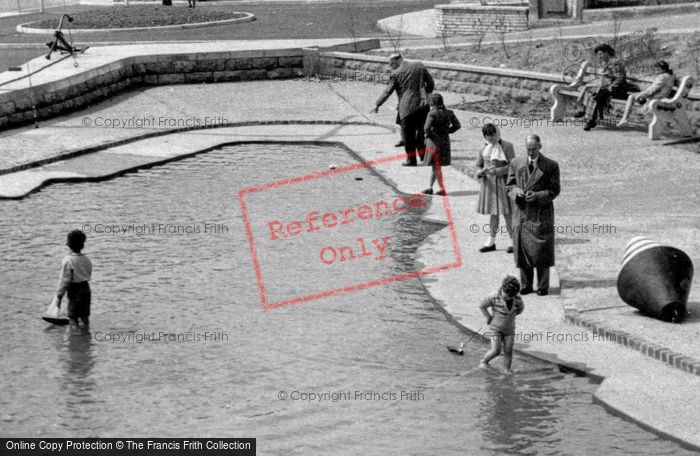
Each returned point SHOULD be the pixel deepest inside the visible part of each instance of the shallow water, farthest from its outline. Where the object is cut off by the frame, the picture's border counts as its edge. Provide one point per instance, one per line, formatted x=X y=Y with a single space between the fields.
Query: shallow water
x=361 y=349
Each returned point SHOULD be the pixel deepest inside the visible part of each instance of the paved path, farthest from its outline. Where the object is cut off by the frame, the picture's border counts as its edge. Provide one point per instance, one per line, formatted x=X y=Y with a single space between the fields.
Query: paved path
x=417 y=26
x=609 y=177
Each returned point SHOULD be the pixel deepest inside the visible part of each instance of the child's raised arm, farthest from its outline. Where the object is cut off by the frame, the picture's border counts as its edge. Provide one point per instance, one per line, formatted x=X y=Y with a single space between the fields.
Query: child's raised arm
x=485 y=304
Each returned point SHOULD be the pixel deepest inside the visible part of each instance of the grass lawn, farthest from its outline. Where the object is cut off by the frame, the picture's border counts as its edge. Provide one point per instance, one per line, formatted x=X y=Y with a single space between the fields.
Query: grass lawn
x=556 y=56
x=273 y=21
x=139 y=16
x=509 y=106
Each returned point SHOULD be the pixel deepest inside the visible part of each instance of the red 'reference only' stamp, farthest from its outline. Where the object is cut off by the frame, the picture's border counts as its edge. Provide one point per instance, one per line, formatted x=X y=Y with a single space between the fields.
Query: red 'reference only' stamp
x=330 y=239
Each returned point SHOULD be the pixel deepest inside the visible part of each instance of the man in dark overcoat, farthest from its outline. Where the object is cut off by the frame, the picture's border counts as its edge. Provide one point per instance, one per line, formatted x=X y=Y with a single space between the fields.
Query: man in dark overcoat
x=533 y=183
x=412 y=83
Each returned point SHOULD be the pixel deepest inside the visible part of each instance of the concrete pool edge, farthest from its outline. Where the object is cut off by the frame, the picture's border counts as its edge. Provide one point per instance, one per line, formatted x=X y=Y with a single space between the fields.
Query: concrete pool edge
x=637 y=387
x=630 y=403
x=364 y=138
x=154 y=134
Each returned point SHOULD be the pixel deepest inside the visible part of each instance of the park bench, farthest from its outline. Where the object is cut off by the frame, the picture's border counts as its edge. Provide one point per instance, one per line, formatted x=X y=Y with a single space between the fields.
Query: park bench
x=664 y=111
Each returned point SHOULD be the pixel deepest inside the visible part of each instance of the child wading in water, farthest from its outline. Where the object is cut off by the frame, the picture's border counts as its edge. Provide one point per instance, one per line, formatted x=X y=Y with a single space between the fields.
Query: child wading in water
x=440 y=124
x=76 y=271
x=506 y=304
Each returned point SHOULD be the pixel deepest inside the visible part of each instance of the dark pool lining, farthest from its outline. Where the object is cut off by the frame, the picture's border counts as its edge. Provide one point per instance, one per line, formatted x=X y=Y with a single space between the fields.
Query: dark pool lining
x=121 y=142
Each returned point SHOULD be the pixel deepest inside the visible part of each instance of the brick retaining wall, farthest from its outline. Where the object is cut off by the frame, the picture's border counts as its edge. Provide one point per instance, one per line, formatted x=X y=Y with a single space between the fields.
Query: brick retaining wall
x=470 y=18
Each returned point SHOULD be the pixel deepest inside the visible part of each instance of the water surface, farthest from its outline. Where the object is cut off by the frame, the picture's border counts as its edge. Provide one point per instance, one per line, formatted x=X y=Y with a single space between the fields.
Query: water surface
x=376 y=342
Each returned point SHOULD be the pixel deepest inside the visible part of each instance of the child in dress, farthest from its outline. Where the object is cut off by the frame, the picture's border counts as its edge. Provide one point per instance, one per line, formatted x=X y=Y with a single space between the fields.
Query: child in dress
x=506 y=303
x=76 y=271
x=439 y=125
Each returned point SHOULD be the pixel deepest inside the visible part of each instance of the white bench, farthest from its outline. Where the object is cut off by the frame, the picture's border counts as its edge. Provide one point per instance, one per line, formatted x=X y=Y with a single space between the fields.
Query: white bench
x=664 y=111
x=672 y=110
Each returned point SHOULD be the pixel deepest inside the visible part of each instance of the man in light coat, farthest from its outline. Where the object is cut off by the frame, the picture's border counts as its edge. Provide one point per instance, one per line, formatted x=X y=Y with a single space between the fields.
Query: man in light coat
x=412 y=83
x=533 y=183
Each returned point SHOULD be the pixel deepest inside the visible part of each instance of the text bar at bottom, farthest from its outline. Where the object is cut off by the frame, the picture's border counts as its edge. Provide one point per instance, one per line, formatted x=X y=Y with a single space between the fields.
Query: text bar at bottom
x=125 y=447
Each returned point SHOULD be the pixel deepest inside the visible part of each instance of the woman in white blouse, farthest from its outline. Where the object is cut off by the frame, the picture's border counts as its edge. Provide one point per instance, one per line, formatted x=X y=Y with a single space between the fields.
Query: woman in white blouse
x=660 y=88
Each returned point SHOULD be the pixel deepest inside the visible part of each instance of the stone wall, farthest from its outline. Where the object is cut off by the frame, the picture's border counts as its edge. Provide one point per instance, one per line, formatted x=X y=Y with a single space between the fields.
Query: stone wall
x=456 y=77
x=91 y=86
x=453 y=77
x=470 y=18
x=17 y=107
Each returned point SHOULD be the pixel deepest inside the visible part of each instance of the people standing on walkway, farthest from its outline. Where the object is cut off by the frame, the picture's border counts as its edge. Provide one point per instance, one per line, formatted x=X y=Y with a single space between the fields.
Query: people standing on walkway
x=439 y=125
x=532 y=184
x=660 y=88
x=613 y=84
x=76 y=271
x=191 y=3
x=412 y=83
x=505 y=304
x=492 y=171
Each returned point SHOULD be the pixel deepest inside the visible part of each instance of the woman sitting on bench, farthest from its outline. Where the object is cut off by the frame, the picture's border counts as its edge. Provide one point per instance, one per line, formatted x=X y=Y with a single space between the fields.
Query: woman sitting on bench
x=660 y=88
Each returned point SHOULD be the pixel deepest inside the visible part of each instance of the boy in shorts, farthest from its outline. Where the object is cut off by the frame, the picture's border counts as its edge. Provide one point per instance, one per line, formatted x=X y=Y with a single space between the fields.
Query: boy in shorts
x=76 y=271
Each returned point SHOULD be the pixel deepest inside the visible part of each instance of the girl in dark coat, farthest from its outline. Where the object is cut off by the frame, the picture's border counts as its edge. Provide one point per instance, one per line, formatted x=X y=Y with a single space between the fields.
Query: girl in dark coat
x=441 y=122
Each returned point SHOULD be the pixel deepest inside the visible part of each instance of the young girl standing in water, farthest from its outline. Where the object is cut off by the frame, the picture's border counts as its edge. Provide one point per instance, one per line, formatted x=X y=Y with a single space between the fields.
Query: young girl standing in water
x=506 y=303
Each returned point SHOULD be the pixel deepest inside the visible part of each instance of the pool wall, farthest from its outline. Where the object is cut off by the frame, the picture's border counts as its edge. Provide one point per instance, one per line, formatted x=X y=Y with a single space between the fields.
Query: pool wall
x=115 y=75
x=475 y=80
x=112 y=74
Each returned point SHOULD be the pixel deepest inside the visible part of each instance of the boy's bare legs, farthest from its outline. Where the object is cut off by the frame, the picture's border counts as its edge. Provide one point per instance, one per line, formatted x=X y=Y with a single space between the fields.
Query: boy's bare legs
x=80 y=322
x=495 y=350
x=508 y=343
